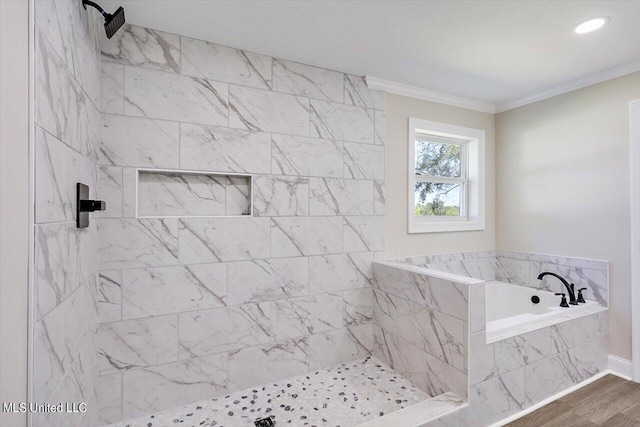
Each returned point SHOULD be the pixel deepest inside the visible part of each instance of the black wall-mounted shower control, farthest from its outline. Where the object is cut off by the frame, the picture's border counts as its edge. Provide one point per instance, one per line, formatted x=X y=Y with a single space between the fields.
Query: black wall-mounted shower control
x=84 y=205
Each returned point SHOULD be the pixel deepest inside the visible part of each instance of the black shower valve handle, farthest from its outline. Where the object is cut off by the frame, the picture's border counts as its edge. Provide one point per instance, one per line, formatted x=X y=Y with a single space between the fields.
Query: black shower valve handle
x=563 y=302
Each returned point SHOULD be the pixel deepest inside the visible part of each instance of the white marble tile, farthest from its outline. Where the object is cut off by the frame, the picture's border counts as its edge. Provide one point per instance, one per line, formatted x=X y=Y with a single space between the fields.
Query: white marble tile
x=358 y=306
x=306 y=156
x=306 y=315
x=165 y=290
x=482 y=364
x=602 y=323
x=109 y=390
x=160 y=95
x=108 y=296
x=495 y=399
x=363 y=161
x=438 y=334
x=133 y=141
x=546 y=378
x=129 y=176
x=587 y=360
x=266 y=280
x=339 y=346
x=223 y=329
x=65 y=259
x=284 y=359
x=110 y=191
x=512 y=271
x=58 y=169
x=63 y=109
x=522 y=350
x=129 y=243
x=225 y=64
x=221 y=149
x=280 y=196
x=295 y=236
x=143 y=47
x=181 y=194
x=223 y=239
x=442 y=377
x=573 y=332
x=330 y=273
x=342 y=122
x=166 y=386
x=78 y=385
x=403 y=356
x=54 y=20
x=477 y=318
x=239 y=191
x=364 y=233
x=256 y=109
x=59 y=339
x=379 y=199
x=330 y=196
x=137 y=343
x=112 y=88
x=305 y=80
x=380 y=127
x=61 y=24
x=357 y=93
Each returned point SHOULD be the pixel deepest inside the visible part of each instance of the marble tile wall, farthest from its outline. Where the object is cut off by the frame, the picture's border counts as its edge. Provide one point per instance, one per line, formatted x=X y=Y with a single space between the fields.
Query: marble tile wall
x=421 y=326
x=191 y=308
x=523 y=269
x=67 y=127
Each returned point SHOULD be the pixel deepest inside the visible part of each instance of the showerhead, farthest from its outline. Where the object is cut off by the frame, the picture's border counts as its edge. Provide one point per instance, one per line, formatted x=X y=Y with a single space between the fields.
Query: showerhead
x=112 y=23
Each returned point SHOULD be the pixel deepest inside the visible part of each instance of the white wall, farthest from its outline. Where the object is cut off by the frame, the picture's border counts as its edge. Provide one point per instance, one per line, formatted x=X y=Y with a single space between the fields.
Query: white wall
x=14 y=204
x=562 y=184
x=399 y=241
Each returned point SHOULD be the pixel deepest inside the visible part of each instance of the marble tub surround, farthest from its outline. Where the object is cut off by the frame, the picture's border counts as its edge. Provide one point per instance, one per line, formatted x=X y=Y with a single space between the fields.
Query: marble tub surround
x=421 y=327
x=523 y=269
x=503 y=377
x=513 y=374
x=225 y=303
x=66 y=259
x=346 y=395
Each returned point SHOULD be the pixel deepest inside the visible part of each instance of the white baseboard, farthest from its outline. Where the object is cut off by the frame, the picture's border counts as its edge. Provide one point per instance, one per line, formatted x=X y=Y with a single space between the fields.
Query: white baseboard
x=620 y=367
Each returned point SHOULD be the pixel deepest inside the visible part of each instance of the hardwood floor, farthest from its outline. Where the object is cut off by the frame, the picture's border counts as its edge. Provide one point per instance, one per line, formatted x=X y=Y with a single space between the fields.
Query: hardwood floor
x=609 y=401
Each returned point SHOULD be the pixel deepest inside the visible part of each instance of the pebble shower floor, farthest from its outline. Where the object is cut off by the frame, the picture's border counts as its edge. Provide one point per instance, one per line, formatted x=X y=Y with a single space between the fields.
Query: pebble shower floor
x=342 y=396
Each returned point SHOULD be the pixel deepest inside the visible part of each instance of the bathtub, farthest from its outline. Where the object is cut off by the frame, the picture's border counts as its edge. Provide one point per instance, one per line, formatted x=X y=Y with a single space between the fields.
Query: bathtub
x=510 y=311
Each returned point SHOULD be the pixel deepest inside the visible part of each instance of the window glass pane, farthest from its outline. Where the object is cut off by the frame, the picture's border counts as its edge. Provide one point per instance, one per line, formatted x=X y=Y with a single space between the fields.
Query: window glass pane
x=437 y=199
x=437 y=158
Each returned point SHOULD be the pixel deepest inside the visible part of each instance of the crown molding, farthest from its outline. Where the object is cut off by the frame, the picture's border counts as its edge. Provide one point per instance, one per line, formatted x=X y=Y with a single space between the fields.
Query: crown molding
x=592 y=79
x=429 y=95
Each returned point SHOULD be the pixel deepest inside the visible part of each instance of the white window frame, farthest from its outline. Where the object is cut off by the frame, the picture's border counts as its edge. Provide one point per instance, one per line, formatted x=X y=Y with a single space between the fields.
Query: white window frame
x=472 y=177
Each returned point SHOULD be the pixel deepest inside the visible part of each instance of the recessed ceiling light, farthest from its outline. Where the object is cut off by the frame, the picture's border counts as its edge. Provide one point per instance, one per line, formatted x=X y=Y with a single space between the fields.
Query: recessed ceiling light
x=592 y=24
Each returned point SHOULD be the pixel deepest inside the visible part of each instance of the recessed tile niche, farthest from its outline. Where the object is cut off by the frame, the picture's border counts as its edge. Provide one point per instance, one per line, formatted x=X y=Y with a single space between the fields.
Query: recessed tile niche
x=177 y=193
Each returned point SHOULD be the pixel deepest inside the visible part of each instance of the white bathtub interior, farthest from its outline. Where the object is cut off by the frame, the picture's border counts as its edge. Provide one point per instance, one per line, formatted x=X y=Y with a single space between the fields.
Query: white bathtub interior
x=510 y=310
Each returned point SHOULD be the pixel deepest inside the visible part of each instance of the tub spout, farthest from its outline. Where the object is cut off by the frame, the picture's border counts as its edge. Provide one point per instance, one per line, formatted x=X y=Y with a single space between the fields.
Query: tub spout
x=570 y=287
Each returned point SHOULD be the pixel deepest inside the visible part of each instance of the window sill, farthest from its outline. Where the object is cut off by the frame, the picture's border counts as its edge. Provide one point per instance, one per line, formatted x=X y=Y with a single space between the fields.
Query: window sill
x=444 y=227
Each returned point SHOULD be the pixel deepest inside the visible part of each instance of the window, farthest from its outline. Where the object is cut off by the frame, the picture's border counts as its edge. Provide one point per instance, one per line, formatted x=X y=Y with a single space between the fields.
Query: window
x=446 y=177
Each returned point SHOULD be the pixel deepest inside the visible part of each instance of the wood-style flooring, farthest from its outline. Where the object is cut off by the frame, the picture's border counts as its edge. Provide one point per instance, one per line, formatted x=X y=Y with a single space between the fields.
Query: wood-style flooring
x=609 y=401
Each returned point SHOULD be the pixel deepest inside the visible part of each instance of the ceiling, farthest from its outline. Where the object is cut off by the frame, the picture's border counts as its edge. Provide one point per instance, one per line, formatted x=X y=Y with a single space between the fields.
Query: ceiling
x=491 y=51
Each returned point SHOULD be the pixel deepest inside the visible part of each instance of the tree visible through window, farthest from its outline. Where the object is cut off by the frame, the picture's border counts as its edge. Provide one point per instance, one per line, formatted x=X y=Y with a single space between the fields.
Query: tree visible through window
x=440 y=176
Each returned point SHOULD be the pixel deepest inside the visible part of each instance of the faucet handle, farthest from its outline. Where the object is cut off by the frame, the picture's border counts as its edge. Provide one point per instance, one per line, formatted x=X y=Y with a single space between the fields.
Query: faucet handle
x=563 y=302
x=580 y=296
